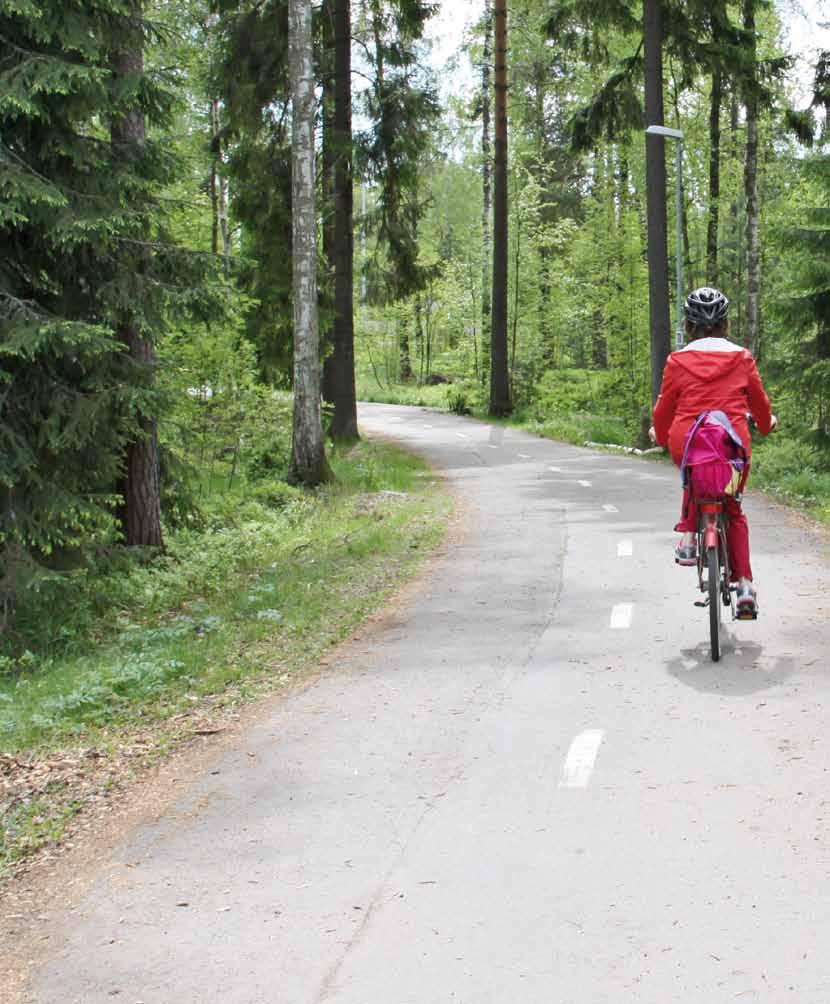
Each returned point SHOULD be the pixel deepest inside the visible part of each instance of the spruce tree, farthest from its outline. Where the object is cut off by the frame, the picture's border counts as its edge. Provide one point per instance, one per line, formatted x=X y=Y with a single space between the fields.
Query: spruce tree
x=402 y=106
x=76 y=211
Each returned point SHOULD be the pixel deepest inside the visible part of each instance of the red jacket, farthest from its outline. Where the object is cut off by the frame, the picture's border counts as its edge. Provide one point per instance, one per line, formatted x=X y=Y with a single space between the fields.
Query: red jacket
x=710 y=373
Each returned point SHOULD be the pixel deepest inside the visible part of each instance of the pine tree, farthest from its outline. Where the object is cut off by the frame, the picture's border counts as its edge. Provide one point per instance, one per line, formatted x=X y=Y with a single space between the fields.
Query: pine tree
x=500 y=403
x=308 y=459
x=486 y=183
x=658 y=286
x=341 y=361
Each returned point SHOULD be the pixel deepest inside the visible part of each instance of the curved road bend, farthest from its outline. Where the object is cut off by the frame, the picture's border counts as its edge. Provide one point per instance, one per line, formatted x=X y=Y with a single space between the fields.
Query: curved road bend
x=531 y=787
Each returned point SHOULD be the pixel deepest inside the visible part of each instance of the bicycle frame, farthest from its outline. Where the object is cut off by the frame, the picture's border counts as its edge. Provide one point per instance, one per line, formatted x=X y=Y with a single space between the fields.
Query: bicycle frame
x=713 y=568
x=713 y=524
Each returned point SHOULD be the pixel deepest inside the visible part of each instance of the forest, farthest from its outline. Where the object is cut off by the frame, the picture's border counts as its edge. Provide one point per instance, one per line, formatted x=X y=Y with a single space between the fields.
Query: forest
x=493 y=248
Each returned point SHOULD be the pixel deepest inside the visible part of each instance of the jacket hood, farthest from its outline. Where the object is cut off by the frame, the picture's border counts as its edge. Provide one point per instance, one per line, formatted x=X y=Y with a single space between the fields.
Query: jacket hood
x=709 y=358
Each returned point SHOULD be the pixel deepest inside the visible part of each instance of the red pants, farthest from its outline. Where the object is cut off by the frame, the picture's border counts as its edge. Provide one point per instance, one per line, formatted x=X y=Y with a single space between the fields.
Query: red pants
x=737 y=534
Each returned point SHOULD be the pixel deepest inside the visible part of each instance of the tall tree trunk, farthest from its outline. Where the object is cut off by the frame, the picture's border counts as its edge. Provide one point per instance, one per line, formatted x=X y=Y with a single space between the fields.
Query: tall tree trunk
x=715 y=99
x=735 y=241
x=486 y=185
x=214 y=189
x=688 y=271
x=344 y=422
x=499 y=377
x=219 y=184
x=308 y=459
x=404 y=357
x=753 y=249
x=140 y=511
x=658 y=266
x=328 y=194
x=392 y=174
x=419 y=337
x=540 y=82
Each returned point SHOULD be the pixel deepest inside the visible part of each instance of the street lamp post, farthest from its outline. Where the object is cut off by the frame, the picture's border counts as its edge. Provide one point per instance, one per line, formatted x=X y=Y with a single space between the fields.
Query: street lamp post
x=658 y=130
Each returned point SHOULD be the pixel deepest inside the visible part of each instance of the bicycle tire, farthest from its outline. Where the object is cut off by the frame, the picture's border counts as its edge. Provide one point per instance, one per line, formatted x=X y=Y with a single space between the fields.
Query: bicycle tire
x=713 y=569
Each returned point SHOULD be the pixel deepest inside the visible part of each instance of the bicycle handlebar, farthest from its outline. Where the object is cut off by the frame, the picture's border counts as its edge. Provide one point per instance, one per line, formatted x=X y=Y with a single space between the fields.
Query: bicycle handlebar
x=753 y=425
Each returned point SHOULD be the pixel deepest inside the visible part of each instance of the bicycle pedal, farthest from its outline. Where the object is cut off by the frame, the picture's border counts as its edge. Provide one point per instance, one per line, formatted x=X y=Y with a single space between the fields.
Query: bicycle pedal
x=702 y=603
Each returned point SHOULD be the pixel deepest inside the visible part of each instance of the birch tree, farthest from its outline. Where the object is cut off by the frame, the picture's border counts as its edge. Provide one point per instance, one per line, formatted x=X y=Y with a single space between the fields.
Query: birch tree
x=753 y=248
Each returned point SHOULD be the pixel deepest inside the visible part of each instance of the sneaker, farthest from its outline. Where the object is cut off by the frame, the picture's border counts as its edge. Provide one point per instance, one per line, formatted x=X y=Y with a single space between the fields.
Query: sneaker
x=747 y=602
x=685 y=555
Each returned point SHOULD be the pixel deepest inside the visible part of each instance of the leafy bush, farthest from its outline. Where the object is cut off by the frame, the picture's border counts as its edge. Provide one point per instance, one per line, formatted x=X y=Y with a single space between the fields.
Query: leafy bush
x=465 y=397
x=275 y=494
x=792 y=467
x=572 y=391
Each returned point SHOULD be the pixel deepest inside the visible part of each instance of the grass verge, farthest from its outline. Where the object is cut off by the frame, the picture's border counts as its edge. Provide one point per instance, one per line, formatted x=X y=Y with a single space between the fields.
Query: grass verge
x=230 y=613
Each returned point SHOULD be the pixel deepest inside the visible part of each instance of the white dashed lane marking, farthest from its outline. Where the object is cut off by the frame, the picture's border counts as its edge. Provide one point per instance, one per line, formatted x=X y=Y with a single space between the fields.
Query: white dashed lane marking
x=579 y=763
x=610 y=508
x=492 y=446
x=556 y=470
x=524 y=456
x=585 y=484
x=621 y=616
x=461 y=435
x=625 y=548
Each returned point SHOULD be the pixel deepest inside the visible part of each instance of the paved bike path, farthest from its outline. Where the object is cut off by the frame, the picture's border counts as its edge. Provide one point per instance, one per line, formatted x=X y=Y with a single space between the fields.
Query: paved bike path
x=530 y=786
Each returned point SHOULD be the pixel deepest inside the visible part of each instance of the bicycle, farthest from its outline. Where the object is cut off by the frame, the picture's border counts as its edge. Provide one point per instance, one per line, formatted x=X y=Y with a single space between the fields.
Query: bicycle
x=714 y=572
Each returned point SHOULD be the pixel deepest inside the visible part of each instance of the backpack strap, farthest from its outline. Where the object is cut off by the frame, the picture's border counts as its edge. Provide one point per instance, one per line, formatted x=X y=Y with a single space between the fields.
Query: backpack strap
x=690 y=435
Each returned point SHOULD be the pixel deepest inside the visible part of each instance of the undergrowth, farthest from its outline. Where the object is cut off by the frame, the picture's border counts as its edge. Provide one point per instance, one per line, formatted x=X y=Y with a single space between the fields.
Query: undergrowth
x=262 y=590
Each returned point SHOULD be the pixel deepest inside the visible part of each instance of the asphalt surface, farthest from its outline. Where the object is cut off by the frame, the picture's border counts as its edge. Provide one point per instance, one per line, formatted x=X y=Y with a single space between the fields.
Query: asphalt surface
x=531 y=786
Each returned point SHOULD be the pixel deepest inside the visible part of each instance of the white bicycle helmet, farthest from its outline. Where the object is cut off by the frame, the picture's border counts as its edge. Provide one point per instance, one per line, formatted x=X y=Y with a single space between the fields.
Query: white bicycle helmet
x=706 y=307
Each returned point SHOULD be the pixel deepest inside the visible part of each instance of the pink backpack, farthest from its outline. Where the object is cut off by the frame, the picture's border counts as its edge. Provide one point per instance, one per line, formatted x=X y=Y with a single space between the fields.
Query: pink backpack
x=714 y=458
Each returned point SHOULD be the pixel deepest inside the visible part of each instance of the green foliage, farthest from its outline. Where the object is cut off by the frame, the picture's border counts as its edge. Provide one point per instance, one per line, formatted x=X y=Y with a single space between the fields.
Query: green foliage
x=402 y=106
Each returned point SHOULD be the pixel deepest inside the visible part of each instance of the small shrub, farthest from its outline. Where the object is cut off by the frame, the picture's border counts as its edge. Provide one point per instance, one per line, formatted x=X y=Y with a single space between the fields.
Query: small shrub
x=465 y=397
x=275 y=494
x=457 y=402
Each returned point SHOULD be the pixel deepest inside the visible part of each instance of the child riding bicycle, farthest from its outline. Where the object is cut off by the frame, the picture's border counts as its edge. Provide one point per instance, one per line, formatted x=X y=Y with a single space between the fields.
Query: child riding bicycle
x=712 y=374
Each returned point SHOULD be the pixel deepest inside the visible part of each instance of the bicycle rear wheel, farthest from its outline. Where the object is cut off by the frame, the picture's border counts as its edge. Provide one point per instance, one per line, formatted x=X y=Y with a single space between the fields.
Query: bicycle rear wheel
x=713 y=569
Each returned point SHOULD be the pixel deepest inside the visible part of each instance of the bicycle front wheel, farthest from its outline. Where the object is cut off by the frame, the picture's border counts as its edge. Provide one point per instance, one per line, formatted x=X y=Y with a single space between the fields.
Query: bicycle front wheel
x=713 y=569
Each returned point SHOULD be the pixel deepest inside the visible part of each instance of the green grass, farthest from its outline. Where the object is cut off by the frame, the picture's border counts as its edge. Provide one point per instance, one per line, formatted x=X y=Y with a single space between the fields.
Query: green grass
x=243 y=607
x=575 y=427
x=270 y=591
x=428 y=397
x=27 y=827
x=794 y=470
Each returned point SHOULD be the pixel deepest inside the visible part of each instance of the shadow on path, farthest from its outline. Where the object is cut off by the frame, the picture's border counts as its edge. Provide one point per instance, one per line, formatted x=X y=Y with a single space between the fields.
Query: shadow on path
x=743 y=669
